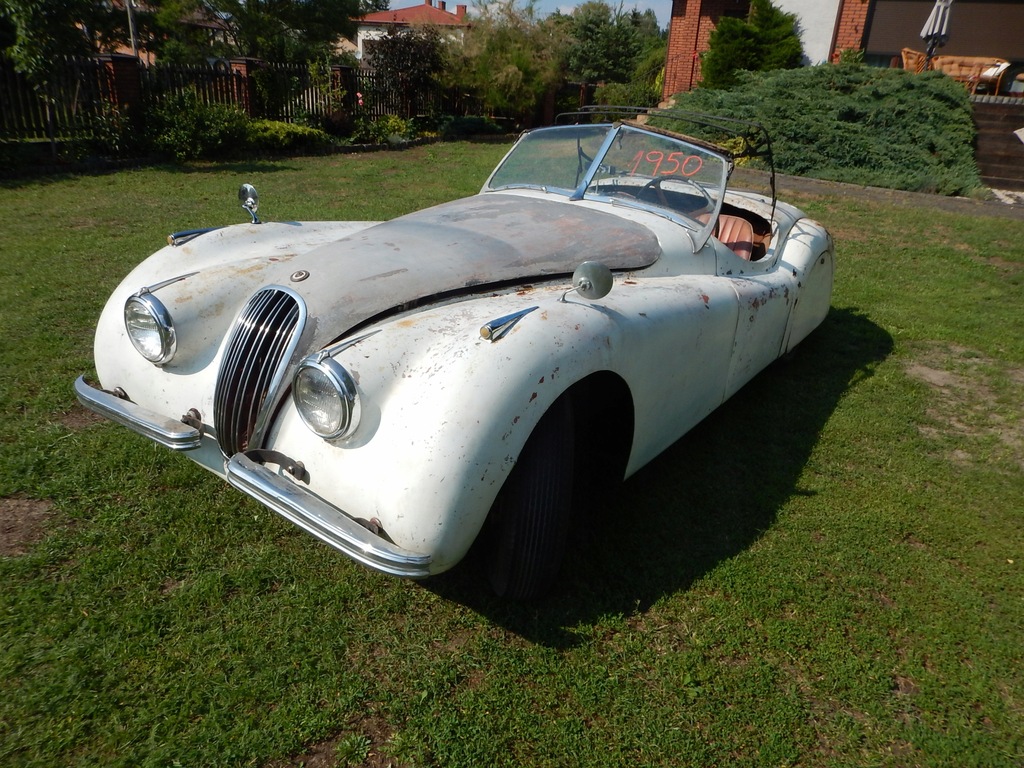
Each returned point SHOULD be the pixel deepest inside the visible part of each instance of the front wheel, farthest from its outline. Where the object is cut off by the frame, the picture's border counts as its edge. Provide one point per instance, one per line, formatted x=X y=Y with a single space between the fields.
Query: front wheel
x=529 y=521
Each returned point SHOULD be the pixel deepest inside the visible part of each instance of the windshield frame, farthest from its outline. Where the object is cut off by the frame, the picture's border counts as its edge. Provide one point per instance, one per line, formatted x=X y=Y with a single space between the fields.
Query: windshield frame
x=698 y=228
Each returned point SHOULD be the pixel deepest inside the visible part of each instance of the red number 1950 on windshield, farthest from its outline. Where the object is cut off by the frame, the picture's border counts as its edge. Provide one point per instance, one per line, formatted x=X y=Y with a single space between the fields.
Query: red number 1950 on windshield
x=672 y=164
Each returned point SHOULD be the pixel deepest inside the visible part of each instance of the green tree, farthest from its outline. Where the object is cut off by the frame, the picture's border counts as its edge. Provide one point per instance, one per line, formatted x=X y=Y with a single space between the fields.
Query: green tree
x=161 y=30
x=605 y=43
x=42 y=32
x=286 y=30
x=767 y=40
x=412 y=59
x=510 y=58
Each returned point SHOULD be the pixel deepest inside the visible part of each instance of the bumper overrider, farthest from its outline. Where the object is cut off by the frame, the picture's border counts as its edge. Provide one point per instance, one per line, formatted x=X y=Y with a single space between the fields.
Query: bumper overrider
x=277 y=492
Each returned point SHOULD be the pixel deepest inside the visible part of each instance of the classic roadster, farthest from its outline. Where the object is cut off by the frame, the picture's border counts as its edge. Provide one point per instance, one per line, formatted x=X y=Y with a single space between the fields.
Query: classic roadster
x=401 y=390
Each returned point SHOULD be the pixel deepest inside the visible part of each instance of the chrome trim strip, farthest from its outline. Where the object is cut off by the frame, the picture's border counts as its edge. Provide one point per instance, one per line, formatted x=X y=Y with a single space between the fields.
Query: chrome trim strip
x=499 y=326
x=172 y=433
x=324 y=521
x=180 y=238
x=595 y=165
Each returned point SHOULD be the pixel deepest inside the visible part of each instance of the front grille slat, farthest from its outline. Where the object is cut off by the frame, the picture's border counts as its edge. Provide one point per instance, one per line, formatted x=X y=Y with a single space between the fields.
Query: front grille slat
x=257 y=353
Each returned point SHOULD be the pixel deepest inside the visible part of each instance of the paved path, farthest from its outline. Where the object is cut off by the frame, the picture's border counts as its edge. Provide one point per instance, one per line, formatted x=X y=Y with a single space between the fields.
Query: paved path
x=790 y=185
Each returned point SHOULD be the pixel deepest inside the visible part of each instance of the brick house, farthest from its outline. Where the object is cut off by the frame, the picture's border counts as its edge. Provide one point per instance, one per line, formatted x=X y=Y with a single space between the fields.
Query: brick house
x=879 y=28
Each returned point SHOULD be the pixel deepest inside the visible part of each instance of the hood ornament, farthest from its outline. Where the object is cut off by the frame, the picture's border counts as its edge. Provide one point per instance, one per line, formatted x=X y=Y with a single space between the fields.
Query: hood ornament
x=250 y=200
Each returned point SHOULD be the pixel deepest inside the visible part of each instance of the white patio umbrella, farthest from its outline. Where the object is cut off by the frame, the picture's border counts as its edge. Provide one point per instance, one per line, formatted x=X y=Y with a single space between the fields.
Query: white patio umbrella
x=936 y=30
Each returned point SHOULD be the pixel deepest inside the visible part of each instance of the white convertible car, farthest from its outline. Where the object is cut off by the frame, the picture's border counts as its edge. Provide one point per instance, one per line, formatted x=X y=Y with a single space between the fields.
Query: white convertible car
x=402 y=389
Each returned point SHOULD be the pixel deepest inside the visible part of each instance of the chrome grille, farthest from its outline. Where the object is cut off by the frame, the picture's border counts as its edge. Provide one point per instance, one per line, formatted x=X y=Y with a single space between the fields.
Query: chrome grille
x=254 y=362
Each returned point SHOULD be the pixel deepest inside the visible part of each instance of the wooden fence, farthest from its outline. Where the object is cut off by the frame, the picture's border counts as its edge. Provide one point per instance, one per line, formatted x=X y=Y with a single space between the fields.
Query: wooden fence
x=82 y=92
x=79 y=91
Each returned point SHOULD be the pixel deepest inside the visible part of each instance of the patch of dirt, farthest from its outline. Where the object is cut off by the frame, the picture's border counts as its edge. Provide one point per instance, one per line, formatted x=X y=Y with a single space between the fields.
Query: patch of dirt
x=324 y=754
x=23 y=523
x=79 y=417
x=973 y=404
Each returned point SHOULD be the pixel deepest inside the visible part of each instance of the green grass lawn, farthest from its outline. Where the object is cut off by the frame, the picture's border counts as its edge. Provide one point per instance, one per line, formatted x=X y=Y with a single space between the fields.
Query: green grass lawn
x=828 y=571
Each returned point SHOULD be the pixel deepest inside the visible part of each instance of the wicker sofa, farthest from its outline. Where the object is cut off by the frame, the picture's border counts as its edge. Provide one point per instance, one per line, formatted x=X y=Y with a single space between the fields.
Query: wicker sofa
x=973 y=71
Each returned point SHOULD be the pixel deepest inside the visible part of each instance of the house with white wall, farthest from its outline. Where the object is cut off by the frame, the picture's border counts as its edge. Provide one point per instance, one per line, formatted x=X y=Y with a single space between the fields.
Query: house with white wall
x=435 y=13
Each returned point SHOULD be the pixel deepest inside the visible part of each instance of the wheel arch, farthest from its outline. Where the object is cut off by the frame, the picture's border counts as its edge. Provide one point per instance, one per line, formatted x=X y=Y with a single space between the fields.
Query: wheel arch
x=525 y=533
x=604 y=424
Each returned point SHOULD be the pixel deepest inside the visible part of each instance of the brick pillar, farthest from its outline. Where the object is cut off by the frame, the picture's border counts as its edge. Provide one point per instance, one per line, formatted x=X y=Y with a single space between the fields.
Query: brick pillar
x=245 y=88
x=690 y=28
x=851 y=27
x=124 y=75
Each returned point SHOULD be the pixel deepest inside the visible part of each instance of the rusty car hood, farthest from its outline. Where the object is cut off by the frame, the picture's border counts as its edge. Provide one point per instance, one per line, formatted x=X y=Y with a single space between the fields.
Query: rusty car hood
x=463 y=246
x=488 y=238
x=349 y=273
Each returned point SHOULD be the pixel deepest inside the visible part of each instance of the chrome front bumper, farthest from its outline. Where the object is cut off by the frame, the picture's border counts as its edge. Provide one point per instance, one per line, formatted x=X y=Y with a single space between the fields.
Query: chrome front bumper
x=282 y=495
x=176 y=435
x=329 y=524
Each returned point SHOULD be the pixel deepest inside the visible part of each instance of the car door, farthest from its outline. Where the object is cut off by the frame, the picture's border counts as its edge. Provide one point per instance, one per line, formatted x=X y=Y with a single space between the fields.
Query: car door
x=764 y=298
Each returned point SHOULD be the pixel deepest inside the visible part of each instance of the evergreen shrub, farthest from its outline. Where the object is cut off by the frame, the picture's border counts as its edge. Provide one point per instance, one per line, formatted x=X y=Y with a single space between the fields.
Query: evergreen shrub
x=858 y=124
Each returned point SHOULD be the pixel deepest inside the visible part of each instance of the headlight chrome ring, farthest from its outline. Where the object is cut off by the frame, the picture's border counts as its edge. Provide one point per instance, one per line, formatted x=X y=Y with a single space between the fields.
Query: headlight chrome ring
x=150 y=327
x=326 y=398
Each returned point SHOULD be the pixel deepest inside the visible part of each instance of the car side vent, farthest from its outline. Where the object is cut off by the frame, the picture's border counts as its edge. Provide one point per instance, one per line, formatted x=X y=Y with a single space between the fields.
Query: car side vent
x=257 y=353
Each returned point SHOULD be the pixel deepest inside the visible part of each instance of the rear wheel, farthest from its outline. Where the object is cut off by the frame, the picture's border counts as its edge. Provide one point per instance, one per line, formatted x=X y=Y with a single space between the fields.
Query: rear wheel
x=529 y=521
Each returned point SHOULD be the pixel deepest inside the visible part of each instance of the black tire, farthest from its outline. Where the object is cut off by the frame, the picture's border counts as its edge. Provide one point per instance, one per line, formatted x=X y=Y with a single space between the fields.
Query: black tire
x=529 y=521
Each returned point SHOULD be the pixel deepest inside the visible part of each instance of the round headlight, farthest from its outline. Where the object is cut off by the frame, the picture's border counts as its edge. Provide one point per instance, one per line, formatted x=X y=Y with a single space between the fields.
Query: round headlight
x=150 y=328
x=326 y=398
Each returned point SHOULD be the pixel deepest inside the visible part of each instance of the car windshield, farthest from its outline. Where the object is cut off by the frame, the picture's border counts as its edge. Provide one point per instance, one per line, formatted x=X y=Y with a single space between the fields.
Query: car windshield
x=682 y=179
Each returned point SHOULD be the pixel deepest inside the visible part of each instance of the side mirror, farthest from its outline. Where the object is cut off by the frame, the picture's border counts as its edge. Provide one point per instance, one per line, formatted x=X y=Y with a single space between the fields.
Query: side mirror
x=250 y=200
x=592 y=280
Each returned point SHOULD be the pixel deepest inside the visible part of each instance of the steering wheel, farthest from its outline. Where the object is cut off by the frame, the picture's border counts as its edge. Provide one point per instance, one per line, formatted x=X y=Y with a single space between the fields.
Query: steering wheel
x=655 y=184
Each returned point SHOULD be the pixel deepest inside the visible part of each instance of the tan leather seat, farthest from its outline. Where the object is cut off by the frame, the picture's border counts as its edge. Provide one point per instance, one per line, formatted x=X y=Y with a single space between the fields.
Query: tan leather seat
x=737 y=233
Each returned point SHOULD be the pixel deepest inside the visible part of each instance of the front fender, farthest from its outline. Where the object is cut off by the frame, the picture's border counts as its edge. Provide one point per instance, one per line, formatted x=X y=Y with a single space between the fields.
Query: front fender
x=446 y=413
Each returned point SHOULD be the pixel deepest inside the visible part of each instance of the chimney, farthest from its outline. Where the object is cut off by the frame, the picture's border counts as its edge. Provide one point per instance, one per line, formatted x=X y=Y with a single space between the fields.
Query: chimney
x=427 y=2
x=442 y=5
x=460 y=11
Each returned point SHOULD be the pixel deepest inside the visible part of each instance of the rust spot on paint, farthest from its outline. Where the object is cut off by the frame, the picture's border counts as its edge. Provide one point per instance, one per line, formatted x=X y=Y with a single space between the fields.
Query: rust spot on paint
x=706 y=299
x=533 y=397
x=541 y=380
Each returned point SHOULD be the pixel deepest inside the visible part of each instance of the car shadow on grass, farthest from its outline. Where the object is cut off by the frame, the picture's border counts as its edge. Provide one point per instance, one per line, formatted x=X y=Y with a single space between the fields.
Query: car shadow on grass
x=704 y=500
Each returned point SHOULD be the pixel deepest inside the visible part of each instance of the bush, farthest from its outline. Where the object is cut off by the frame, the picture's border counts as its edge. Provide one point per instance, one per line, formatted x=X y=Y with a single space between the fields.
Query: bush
x=187 y=129
x=864 y=125
x=471 y=125
x=273 y=137
x=633 y=94
x=389 y=129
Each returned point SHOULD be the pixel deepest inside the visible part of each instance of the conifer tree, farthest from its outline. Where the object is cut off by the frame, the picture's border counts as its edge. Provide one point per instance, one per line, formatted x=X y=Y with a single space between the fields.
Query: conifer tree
x=766 y=40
